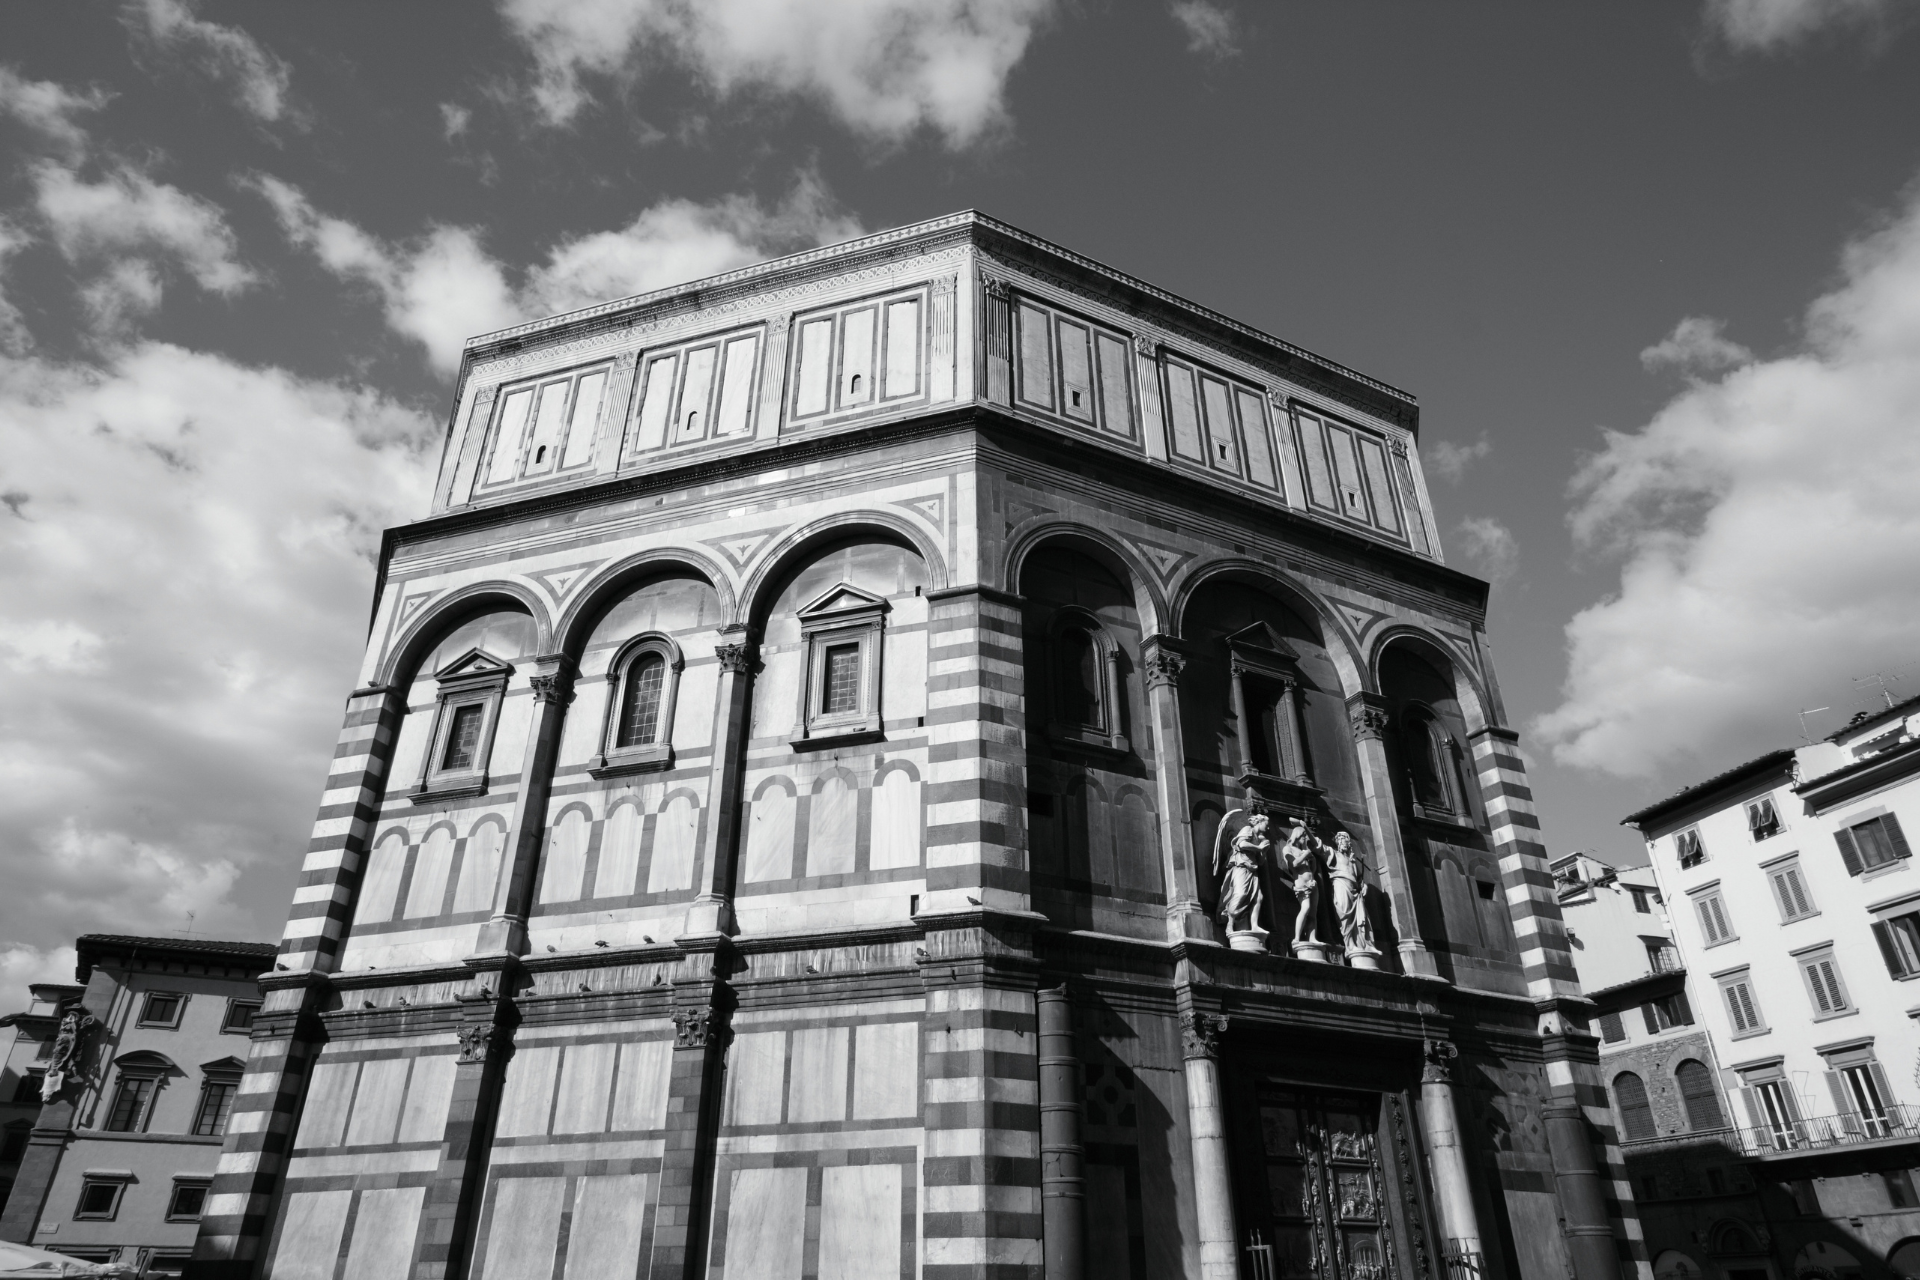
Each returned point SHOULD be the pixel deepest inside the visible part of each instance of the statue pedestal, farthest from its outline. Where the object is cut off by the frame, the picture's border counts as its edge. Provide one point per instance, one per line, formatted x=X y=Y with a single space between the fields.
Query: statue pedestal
x=1314 y=951
x=1363 y=958
x=1247 y=939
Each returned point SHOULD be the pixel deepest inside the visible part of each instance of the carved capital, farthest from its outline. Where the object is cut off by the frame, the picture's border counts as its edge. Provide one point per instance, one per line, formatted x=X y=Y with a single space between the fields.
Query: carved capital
x=1398 y=446
x=1368 y=721
x=556 y=688
x=482 y=1041
x=693 y=1028
x=1437 y=1062
x=1200 y=1034
x=1164 y=667
x=998 y=290
x=1144 y=346
x=735 y=657
x=1278 y=399
x=484 y=396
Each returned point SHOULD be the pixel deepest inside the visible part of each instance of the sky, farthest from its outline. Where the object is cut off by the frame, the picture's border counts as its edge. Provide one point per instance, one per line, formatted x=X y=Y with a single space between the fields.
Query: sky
x=1652 y=268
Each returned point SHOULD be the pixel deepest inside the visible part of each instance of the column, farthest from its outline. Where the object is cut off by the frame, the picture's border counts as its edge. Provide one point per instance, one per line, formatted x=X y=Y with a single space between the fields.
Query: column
x=1583 y=1200
x=1063 y=1202
x=1367 y=715
x=1206 y=1120
x=451 y=1210
x=997 y=307
x=712 y=910
x=700 y=1012
x=1452 y=1187
x=506 y=932
x=1546 y=957
x=286 y=1038
x=1184 y=868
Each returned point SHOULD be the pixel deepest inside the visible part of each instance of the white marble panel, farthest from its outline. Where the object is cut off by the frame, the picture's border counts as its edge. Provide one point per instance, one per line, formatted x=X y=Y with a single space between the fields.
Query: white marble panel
x=619 y=853
x=776 y=693
x=886 y=1070
x=769 y=853
x=674 y=830
x=608 y=1214
x=903 y=675
x=510 y=738
x=480 y=868
x=323 y=1118
x=381 y=885
x=692 y=725
x=586 y=1084
x=766 y=1224
x=429 y=1095
x=640 y=1093
x=428 y=889
x=525 y=1228
x=896 y=823
x=310 y=1231
x=832 y=822
x=528 y=1095
x=757 y=1067
x=860 y=1223
x=384 y=1226
x=566 y=864
x=817 y=1084
x=376 y=1104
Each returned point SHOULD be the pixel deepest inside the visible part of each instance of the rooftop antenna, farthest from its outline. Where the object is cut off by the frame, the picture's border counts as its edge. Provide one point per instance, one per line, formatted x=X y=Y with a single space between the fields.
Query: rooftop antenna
x=1804 y=713
x=1882 y=679
x=189 y=929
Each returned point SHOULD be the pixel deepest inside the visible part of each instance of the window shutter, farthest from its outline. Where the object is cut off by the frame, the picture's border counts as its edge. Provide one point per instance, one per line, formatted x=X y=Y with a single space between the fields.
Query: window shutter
x=1880 y=1082
x=1812 y=974
x=1883 y=934
x=1802 y=905
x=1611 y=1029
x=1682 y=1011
x=1831 y=977
x=1783 y=894
x=1895 y=837
x=1720 y=916
x=1849 y=853
x=1651 y=1016
x=1756 y=817
x=1842 y=1103
x=1756 y=1114
x=1741 y=1022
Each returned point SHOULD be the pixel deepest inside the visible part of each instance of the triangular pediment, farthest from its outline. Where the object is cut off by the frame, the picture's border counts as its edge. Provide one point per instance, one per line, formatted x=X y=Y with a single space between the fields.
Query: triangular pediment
x=228 y=1065
x=1262 y=638
x=845 y=598
x=474 y=662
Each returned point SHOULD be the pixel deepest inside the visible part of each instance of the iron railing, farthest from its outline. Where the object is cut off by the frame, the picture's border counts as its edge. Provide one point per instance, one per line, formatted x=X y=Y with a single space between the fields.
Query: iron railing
x=1460 y=1262
x=1817 y=1133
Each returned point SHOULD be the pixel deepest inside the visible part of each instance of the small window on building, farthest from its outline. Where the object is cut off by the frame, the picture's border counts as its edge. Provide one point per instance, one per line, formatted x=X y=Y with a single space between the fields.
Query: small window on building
x=167 y=1264
x=1689 y=849
x=1636 y=1111
x=1862 y=1096
x=1696 y=1092
x=1716 y=926
x=132 y=1102
x=1877 y=842
x=1763 y=819
x=1433 y=765
x=99 y=1200
x=1269 y=710
x=1790 y=891
x=465 y=717
x=1666 y=1012
x=1900 y=1189
x=1743 y=1011
x=1899 y=939
x=1824 y=987
x=188 y=1201
x=27 y=1088
x=162 y=1009
x=1662 y=957
x=1612 y=1029
x=1641 y=901
x=240 y=1015
x=840 y=695
x=1088 y=676
x=644 y=687
x=216 y=1104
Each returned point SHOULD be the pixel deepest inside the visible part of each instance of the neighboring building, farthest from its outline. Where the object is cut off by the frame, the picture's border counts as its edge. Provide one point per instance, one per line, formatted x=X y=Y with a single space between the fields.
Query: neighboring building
x=26 y=1064
x=779 y=830
x=150 y=1049
x=1798 y=921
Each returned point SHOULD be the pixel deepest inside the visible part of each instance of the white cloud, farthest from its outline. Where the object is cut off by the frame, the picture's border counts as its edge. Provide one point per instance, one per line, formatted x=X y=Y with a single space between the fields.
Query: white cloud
x=1212 y=32
x=1697 y=345
x=22 y=965
x=14 y=337
x=180 y=541
x=259 y=79
x=49 y=109
x=886 y=68
x=454 y=119
x=1452 y=460
x=131 y=224
x=444 y=288
x=1770 y=537
x=1770 y=25
x=1491 y=547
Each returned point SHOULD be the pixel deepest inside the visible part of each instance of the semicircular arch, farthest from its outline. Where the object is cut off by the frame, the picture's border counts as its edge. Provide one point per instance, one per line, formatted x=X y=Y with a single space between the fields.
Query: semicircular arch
x=1113 y=554
x=420 y=635
x=756 y=595
x=1343 y=650
x=1475 y=705
x=603 y=589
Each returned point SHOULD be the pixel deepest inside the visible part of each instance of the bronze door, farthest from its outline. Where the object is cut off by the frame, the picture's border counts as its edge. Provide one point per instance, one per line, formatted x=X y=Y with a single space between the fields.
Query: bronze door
x=1324 y=1202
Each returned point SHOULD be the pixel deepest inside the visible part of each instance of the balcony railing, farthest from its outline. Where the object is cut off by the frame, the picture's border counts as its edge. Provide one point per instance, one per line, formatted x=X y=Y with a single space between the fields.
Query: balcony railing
x=1818 y=1133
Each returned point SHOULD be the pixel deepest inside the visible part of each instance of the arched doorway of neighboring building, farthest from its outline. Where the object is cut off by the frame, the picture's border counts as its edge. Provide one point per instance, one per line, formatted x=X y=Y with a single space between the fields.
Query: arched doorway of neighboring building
x=1823 y=1261
x=1904 y=1261
x=1675 y=1265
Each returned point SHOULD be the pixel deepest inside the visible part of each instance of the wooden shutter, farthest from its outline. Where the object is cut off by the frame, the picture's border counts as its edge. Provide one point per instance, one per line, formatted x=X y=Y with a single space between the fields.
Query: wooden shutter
x=1756 y=1113
x=1811 y=972
x=1849 y=852
x=1696 y=1091
x=1831 y=976
x=1843 y=1102
x=1636 y=1111
x=1895 y=837
x=1880 y=1082
x=1796 y=883
x=1682 y=1011
x=1883 y=934
x=1611 y=1028
x=1708 y=925
x=1651 y=1016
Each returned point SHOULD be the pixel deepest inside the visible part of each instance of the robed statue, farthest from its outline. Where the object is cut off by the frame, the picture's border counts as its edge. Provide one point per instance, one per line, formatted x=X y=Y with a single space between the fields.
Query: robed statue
x=1240 y=853
x=1299 y=862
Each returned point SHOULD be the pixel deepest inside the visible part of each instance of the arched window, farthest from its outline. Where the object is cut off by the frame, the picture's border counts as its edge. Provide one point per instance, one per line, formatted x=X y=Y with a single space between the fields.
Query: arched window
x=1696 y=1090
x=1088 y=679
x=1433 y=766
x=643 y=681
x=1904 y=1261
x=1636 y=1112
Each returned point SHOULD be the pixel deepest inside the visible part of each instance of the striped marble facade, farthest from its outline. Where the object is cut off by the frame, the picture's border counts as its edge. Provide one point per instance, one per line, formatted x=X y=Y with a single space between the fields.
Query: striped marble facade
x=947 y=547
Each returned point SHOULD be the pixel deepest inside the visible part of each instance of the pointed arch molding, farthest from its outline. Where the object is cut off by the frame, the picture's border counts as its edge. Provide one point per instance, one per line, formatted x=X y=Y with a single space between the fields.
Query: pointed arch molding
x=413 y=637
x=781 y=551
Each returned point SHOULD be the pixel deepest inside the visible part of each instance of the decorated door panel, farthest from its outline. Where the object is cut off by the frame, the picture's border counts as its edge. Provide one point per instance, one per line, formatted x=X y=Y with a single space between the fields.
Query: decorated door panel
x=1323 y=1215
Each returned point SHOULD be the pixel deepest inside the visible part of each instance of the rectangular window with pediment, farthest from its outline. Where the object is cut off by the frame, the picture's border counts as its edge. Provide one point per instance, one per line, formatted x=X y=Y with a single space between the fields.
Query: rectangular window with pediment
x=840 y=694
x=1269 y=714
x=547 y=426
x=465 y=716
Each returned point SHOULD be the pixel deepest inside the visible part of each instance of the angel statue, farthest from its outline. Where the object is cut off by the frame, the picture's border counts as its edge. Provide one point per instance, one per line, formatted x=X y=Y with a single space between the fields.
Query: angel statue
x=1297 y=860
x=1239 y=858
x=1348 y=871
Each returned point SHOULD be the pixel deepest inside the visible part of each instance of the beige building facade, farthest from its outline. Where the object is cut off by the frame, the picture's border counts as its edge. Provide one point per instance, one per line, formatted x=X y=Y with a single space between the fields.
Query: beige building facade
x=860 y=774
